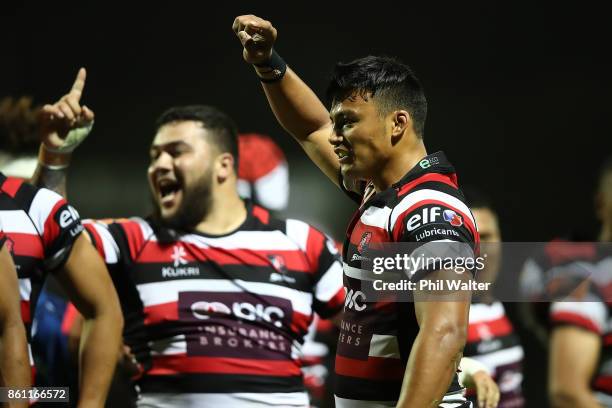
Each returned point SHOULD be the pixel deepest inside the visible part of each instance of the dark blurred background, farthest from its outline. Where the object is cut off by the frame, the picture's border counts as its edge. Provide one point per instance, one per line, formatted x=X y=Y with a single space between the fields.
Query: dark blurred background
x=519 y=97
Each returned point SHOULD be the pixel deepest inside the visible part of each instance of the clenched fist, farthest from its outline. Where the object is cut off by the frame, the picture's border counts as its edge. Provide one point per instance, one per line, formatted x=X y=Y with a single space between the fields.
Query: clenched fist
x=257 y=37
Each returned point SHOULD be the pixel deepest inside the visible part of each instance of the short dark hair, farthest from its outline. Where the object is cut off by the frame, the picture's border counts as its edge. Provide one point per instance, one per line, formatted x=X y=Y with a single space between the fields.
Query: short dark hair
x=223 y=130
x=391 y=82
x=19 y=126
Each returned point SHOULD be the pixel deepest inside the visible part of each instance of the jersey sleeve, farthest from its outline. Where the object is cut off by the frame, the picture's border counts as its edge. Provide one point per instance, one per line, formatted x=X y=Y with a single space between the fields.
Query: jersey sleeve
x=587 y=311
x=439 y=226
x=103 y=240
x=118 y=240
x=58 y=224
x=325 y=267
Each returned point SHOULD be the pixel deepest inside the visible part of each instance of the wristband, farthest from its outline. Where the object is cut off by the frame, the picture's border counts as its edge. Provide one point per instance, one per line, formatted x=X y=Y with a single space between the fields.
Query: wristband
x=276 y=69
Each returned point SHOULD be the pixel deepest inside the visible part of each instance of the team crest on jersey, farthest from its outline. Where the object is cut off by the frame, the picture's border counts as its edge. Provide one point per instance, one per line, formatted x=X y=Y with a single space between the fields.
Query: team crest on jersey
x=278 y=263
x=364 y=242
x=452 y=218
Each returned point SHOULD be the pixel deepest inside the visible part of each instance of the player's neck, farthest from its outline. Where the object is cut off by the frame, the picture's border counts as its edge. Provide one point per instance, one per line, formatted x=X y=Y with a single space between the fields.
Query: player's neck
x=227 y=213
x=398 y=165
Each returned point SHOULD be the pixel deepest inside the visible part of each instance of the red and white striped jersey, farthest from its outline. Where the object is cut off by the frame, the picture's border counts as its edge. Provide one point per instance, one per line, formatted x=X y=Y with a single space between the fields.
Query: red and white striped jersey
x=586 y=266
x=263 y=173
x=40 y=228
x=492 y=341
x=377 y=334
x=221 y=316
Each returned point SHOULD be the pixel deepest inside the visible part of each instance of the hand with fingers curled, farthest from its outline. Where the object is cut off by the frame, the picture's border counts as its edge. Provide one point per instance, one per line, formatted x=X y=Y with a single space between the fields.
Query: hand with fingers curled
x=65 y=124
x=257 y=37
x=475 y=375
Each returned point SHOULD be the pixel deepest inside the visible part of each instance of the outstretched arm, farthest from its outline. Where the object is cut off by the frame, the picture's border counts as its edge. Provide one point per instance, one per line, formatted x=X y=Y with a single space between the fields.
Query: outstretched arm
x=14 y=362
x=294 y=104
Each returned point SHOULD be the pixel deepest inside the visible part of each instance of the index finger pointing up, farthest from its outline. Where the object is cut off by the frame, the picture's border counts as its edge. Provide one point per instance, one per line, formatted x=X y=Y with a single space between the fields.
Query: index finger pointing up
x=79 y=84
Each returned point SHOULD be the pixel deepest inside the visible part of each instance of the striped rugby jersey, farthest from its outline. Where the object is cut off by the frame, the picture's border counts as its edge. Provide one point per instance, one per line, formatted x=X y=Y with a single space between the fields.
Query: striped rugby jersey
x=590 y=307
x=376 y=336
x=492 y=341
x=40 y=228
x=220 y=319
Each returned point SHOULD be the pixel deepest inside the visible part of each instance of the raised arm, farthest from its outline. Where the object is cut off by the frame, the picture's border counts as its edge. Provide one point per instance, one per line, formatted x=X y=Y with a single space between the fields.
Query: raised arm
x=63 y=126
x=14 y=362
x=294 y=104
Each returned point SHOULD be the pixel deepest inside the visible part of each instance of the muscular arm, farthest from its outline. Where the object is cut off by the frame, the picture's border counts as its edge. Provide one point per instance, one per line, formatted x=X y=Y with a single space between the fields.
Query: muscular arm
x=438 y=347
x=14 y=361
x=574 y=353
x=302 y=114
x=87 y=282
x=294 y=104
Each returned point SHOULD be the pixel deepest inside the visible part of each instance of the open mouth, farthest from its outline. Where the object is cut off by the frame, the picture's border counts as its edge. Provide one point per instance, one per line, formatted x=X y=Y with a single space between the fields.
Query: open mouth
x=168 y=190
x=343 y=155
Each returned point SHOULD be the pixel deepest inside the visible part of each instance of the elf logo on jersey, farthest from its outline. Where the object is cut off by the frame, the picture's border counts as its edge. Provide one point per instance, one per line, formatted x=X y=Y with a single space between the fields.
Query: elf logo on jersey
x=365 y=242
x=452 y=218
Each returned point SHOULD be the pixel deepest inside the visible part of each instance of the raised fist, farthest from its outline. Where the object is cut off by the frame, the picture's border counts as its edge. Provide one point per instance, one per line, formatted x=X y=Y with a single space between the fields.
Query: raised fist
x=257 y=36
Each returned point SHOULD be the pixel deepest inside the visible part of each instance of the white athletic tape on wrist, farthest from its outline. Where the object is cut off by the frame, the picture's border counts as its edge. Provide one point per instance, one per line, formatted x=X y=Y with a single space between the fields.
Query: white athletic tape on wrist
x=469 y=367
x=74 y=138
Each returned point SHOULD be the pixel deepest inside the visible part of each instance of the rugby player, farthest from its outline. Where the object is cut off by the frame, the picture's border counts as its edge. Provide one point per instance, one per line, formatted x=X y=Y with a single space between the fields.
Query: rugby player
x=371 y=145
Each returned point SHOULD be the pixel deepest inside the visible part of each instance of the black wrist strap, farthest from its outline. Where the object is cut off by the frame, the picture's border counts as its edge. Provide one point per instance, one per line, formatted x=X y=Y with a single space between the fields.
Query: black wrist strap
x=277 y=68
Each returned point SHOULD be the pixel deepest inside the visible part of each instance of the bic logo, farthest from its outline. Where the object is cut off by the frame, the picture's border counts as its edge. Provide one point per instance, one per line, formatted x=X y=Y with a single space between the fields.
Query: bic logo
x=355 y=300
x=178 y=256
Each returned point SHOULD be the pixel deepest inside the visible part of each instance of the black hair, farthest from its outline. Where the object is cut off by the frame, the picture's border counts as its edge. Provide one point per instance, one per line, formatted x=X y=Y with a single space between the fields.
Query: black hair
x=392 y=83
x=223 y=130
x=19 y=126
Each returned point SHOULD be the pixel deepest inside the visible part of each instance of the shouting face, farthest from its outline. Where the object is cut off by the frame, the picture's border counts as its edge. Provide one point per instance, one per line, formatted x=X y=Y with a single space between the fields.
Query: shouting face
x=181 y=173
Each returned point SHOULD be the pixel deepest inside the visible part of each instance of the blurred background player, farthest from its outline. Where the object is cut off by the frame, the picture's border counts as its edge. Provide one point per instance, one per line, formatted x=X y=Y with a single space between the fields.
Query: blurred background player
x=491 y=336
x=52 y=353
x=18 y=136
x=45 y=236
x=14 y=360
x=263 y=174
x=572 y=282
x=217 y=295
x=263 y=177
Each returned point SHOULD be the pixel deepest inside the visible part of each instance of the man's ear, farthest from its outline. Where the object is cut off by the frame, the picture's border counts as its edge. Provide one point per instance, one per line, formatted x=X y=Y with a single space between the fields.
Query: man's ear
x=225 y=166
x=401 y=121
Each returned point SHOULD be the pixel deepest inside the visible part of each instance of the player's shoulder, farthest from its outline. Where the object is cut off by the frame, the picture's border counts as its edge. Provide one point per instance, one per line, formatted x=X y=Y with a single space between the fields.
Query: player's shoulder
x=25 y=195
